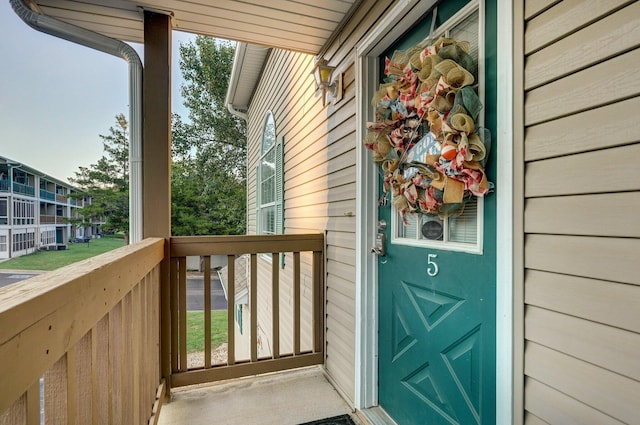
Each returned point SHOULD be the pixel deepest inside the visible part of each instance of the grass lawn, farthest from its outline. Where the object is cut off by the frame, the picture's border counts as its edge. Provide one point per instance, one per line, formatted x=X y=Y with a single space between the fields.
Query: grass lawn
x=195 y=330
x=51 y=260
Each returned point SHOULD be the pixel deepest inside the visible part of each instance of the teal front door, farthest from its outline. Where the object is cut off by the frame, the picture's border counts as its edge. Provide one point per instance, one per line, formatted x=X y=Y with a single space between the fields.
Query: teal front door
x=436 y=281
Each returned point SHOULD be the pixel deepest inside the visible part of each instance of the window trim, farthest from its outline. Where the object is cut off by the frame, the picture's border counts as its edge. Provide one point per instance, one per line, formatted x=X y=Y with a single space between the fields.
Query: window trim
x=277 y=148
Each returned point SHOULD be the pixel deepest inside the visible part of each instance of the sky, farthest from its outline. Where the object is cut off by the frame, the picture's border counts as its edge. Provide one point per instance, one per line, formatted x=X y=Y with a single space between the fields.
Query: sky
x=57 y=97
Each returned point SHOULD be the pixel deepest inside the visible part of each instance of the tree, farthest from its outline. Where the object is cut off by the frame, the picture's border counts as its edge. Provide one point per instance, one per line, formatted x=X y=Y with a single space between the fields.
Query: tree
x=209 y=151
x=107 y=182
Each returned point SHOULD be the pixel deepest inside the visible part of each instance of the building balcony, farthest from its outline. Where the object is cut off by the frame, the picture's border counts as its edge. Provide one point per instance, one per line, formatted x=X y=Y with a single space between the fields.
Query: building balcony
x=47 y=219
x=23 y=189
x=52 y=219
x=111 y=336
x=45 y=194
x=4 y=185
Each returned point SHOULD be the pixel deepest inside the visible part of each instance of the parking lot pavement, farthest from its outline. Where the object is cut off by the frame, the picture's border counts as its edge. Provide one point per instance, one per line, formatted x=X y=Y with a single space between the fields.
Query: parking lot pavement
x=195 y=292
x=8 y=277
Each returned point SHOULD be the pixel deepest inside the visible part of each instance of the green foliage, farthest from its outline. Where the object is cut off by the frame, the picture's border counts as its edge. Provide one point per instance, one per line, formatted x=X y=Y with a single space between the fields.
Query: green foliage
x=209 y=151
x=51 y=260
x=107 y=182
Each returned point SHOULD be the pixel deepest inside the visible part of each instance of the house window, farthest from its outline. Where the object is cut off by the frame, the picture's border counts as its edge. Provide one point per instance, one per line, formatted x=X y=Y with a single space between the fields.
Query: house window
x=4 y=217
x=24 y=240
x=23 y=212
x=269 y=182
x=3 y=243
x=464 y=231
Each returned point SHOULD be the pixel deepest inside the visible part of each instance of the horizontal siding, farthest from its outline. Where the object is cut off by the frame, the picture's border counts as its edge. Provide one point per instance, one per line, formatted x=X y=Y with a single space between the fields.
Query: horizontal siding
x=588 y=215
x=602 y=301
x=610 y=348
x=581 y=280
x=565 y=18
x=531 y=419
x=586 y=47
x=593 y=257
x=599 y=128
x=603 y=83
x=555 y=407
x=613 y=394
x=610 y=170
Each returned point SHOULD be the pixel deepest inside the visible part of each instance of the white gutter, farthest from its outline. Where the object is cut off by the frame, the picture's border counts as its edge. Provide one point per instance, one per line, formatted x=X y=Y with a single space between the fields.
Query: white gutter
x=46 y=24
x=235 y=112
x=238 y=60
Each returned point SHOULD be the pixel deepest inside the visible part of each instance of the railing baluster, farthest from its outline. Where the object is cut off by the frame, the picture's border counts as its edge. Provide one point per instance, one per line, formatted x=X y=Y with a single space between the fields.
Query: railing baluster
x=174 y=314
x=115 y=363
x=296 y=303
x=17 y=412
x=182 y=312
x=318 y=301
x=207 y=311
x=126 y=358
x=72 y=366
x=136 y=351
x=231 y=310
x=254 y=307
x=99 y=373
x=275 y=307
x=82 y=382
x=55 y=392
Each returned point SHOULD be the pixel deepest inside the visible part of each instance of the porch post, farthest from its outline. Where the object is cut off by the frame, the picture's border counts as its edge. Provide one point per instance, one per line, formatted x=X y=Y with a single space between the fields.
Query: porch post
x=156 y=154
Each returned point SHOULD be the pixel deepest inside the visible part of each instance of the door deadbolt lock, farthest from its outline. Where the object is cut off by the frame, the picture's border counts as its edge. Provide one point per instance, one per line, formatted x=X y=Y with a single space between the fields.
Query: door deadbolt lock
x=379 y=249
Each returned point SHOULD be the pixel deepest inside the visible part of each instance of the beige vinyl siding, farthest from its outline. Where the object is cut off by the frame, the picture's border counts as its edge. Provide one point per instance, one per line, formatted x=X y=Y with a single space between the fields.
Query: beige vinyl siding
x=319 y=175
x=581 y=199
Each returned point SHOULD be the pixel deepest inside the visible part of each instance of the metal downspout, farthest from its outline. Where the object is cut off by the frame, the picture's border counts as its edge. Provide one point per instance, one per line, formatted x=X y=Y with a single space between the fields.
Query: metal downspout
x=46 y=24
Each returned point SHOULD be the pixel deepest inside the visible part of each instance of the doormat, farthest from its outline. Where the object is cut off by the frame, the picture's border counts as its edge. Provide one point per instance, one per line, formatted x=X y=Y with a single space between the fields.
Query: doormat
x=336 y=420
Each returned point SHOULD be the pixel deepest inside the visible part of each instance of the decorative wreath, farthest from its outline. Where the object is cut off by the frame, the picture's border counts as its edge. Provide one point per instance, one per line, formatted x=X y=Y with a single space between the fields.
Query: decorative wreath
x=424 y=137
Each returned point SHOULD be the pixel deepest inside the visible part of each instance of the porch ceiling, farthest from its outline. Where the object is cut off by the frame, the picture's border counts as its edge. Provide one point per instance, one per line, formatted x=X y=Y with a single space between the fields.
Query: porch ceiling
x=299 y=25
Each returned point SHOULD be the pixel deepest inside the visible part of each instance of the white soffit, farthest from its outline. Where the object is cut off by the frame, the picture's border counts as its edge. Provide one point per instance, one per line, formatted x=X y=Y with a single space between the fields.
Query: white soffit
x=298 y=25
x=247 y=68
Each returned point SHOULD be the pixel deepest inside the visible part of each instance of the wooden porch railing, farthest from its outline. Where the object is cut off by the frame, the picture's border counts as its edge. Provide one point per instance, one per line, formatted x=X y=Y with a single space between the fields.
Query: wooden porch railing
x=267 y=286
x=92 y=330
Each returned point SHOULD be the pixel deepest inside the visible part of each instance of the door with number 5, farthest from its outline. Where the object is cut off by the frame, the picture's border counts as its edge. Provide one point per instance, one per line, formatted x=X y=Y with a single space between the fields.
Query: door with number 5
x=436 y=279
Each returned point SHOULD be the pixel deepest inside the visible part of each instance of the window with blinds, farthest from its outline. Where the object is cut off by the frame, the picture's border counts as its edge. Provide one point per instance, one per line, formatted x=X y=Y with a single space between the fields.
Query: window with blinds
x=269 y=176
x=464 y=231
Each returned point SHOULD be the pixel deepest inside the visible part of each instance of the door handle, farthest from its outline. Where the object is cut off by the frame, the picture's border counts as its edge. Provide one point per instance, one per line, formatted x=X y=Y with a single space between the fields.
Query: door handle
x=380 y=247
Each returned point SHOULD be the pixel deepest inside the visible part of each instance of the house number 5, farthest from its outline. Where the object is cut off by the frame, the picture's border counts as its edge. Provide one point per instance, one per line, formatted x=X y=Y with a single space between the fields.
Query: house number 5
x=432 y=266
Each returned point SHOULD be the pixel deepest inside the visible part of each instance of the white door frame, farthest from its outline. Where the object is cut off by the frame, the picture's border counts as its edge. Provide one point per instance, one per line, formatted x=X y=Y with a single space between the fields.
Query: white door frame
x=389 y=29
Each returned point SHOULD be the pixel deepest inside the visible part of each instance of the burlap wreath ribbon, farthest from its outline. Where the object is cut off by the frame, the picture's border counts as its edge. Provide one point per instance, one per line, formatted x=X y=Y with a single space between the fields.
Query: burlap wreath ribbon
x=425 y=135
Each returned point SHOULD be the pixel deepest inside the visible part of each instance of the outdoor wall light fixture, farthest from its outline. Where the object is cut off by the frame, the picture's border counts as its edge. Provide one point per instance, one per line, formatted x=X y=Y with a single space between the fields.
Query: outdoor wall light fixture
x=325 y=80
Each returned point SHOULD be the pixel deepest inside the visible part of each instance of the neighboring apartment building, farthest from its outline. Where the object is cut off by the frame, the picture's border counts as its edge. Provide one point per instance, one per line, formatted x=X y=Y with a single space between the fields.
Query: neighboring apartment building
x=33 y=211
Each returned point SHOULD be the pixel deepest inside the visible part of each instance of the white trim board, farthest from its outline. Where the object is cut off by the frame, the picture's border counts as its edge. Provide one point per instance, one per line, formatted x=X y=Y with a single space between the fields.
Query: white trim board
x=386 y=32
x=504 y=217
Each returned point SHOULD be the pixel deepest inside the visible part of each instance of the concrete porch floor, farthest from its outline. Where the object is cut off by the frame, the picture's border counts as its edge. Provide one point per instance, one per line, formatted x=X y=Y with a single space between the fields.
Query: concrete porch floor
x=285 y=398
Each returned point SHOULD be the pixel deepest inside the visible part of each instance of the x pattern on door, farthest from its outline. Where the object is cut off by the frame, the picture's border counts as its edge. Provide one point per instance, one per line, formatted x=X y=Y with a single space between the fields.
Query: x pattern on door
x=451 y=372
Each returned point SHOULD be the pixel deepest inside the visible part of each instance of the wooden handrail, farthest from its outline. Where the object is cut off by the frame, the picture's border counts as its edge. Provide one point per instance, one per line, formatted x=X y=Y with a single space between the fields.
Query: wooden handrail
x=268 y=286
x=247 y=244
x=46 y=318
